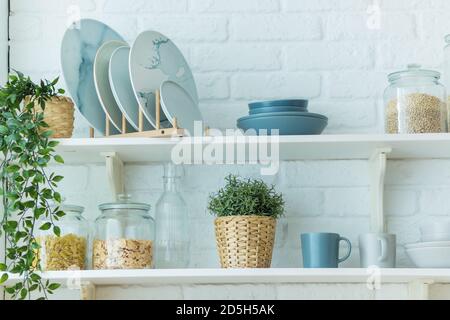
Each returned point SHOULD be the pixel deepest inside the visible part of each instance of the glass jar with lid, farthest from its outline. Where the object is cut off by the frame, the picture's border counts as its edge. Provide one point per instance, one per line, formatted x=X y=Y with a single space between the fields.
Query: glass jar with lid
x=69 y=250
x=415 y=102
x=124 y=235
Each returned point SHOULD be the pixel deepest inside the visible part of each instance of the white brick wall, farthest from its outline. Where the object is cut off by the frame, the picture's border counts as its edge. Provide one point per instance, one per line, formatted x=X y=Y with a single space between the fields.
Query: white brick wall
x=263 y=49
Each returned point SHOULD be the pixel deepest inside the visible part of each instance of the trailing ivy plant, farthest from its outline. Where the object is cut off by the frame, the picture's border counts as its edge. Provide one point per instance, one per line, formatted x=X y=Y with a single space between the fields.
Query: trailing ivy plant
x=244 y=197
x=27 y=191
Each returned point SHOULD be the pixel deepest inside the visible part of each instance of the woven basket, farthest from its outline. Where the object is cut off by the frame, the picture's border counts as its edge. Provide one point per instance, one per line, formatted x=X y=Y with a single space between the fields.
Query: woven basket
x=59 y=115
x=245 y=241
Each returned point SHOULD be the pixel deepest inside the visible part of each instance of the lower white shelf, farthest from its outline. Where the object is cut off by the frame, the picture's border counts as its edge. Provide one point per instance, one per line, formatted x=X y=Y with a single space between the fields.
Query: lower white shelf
x=230 y=276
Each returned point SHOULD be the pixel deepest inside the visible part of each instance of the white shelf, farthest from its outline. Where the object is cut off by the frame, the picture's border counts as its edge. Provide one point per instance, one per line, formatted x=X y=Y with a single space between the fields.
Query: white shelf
x=323 y=147
x=230 y=276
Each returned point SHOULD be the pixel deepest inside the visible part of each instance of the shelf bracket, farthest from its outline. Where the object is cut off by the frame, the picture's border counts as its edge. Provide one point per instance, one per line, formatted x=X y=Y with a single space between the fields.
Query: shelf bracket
x=419 y=289
x=377 y=165
x=115 y=172
x=87 y=291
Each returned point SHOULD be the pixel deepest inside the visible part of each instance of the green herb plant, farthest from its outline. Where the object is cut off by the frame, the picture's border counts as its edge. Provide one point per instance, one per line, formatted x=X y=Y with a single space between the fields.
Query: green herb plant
x=27 y=191
x=244 y=197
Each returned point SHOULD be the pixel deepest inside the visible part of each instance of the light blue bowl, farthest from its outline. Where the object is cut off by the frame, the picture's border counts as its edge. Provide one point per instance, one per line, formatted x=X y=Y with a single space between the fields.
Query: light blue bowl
x=301 y=103
x=286 y=124
x=277 y=109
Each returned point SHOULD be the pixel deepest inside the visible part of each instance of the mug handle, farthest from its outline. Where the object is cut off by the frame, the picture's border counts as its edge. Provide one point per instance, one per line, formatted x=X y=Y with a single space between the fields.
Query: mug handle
x=384 y=251
x=349 y=249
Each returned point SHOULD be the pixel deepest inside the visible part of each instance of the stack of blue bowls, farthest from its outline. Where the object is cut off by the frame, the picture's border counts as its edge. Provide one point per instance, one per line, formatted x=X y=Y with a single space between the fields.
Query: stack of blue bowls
x=289 y=117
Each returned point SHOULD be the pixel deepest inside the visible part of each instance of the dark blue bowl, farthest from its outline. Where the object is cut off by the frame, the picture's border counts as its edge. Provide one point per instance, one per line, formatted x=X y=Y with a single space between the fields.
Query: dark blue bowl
x=286 y=124
x=300 y=103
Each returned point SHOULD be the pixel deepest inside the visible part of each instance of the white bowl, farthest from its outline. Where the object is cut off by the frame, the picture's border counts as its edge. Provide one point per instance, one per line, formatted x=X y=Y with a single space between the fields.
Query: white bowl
x=428 y=244
x=435 y=231
x=430 y=257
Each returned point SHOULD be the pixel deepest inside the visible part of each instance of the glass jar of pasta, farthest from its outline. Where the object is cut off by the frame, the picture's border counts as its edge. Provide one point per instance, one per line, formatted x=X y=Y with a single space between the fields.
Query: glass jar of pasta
x=68 y=251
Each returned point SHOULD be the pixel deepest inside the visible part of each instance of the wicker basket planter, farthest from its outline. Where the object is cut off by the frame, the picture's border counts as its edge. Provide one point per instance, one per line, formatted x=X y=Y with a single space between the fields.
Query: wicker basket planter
x=245 y=241
x=59 y=115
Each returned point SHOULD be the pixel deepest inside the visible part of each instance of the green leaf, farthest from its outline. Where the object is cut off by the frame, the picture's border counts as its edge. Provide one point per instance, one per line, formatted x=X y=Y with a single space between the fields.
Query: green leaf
x=58 y=159
x=35 y=277
x=3 y=130
x=54 y=286
x=57 y=178
x=57 y=231
x=23 y=293
x=46 y=226
x=3 y=278
x=61 y=91
x=3 y=267
x=53 y=143
x=12 y=168
x=10 y=290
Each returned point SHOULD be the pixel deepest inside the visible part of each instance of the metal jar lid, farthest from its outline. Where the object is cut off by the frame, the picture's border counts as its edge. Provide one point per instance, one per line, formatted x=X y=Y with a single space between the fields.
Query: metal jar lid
x=414 y=71
x=124 y=203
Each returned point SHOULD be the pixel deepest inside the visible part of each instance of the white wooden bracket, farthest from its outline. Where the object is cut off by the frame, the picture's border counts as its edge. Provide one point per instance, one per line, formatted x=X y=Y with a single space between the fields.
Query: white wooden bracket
x=87 y=291
x=115 y=172
x=419 y=289
x=377 y=165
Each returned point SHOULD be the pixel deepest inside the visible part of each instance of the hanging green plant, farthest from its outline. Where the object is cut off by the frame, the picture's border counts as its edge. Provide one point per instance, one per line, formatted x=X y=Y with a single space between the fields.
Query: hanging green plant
x=27 y=190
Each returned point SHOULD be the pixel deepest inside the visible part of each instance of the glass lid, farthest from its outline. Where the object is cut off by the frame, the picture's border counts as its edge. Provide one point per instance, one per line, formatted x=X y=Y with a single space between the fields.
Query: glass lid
x=413 y=71
x=124 y=202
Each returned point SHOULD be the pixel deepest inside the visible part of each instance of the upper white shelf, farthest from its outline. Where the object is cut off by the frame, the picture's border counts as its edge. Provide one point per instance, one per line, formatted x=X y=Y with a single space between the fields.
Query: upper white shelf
x=322 y=147
x=230 y=276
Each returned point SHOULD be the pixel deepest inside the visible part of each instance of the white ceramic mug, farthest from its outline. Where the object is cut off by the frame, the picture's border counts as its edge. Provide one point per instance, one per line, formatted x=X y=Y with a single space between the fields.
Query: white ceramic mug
x=377 y=249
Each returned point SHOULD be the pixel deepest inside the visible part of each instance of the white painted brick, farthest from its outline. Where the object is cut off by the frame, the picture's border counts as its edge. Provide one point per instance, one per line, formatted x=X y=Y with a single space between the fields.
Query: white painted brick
x=344 y=115
x=144 y=177
x=139 y=6
x=324 y=5
x=439 y=291
x=25 y=27
x=406 y=228
x=212 y=86
x=324 y=173
x=347 y=202
x=275 y=27
x=223 y=115
x=44 y=54
x=396 y=55
x=156 y=292
x=75 y=177
x=204 y=258
x=229 y=292
x=259 y=86
x=52 y=6
x=359 y=26
x=316 y=291
x=203 y=234
x=435 y=201
x=329 y=56
x=216 y=6
x=418 y=172
x=194 y=29
x=391 y=291
x=356 y=84
x=434 y=25
x=401 y=202
x=232 y=57
x=303 y=202
x=349 y=228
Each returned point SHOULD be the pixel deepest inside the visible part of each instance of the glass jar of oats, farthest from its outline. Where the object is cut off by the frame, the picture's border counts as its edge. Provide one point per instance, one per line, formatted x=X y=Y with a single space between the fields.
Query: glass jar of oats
x=124 y=235
x=415 y=102
x=69 y=250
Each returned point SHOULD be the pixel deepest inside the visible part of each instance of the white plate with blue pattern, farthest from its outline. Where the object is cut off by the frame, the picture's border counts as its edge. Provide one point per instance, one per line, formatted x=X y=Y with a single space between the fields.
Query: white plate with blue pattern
x=78 y=49
x=154 y=58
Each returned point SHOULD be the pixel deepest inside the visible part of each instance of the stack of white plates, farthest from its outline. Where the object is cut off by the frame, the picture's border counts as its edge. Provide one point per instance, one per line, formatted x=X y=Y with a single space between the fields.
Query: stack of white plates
x=434 y=249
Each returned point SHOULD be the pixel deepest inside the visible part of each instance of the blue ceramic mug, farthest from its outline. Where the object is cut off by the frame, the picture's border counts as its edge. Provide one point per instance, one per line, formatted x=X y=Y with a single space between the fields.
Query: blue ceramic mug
x=321 y=250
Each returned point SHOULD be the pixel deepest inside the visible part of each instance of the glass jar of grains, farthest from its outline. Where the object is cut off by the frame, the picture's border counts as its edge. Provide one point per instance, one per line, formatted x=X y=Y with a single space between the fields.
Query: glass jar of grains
x=124 y=235
x=68 y=251
x=415 y=102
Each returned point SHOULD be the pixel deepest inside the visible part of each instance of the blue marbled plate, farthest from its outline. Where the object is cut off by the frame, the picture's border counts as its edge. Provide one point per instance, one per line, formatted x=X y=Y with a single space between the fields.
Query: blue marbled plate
x=78 y=49
x=154 y=59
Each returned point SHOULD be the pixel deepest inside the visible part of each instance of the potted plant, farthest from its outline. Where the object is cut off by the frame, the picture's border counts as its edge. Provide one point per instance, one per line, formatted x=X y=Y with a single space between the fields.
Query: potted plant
x=26 y=188
x=246 y=213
